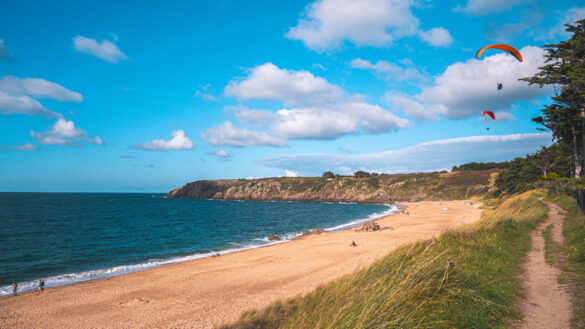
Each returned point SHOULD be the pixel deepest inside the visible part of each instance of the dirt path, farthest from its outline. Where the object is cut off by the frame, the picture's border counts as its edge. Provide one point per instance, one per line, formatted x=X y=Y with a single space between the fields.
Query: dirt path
x=547 y=304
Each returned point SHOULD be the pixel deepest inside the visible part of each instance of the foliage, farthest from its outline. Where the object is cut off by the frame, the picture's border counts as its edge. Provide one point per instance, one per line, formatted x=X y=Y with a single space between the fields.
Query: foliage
x=481 y=166
x=565 y=68
x=550 y=163
x=363 y=174
x=464 y=279
x=328 y=174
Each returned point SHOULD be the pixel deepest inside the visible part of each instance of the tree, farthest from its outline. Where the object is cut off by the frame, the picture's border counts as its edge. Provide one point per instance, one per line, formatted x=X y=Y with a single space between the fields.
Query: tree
x=566 y=68
x=328 y=174
x=564 y=121
x=554 y=157
x=361 y=174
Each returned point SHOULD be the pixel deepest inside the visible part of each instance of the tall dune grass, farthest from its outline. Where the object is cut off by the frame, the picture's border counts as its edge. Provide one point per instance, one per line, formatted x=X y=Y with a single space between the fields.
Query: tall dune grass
x=465 y=278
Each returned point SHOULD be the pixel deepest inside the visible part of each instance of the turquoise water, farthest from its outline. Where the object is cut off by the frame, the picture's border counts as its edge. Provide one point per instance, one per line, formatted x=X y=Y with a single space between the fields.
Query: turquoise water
x=71 y=237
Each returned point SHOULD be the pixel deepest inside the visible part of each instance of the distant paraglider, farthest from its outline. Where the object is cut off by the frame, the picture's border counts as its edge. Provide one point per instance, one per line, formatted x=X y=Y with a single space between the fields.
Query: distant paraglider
x=504 y=47
x=500 y=86
x=490 y=113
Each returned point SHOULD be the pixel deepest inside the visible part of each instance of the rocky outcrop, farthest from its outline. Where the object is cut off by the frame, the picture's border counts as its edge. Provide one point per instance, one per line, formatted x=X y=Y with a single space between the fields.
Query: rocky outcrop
x=370 y=227
x=378 y=189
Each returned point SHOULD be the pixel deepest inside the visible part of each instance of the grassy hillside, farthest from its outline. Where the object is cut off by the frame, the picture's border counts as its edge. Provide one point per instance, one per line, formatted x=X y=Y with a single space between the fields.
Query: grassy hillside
x=383 y=188
x=465 y=278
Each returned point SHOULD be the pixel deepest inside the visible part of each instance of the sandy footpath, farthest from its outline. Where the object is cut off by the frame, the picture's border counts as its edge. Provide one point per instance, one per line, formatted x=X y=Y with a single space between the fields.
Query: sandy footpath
x=205 y=292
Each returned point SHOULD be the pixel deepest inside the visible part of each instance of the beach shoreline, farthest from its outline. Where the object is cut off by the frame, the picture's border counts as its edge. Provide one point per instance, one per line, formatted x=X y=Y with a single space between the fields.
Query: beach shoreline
x=97 y=274
x=204 y=292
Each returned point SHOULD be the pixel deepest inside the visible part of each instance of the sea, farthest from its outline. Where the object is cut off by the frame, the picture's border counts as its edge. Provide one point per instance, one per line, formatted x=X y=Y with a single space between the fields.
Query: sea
x=65 y=238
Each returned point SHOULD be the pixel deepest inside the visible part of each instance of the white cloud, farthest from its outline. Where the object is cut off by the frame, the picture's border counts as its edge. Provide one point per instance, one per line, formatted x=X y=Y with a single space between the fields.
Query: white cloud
x=268 y=82
x=508 y=32
x=500 y=117
x=4 y=52
x=572 y=15
x=466 y=89
x=319 y=110
x=105 y=50
x=331 y=122
x=429 y=156
x=436 y=37
x=326 y=24
x=228 y=134
x=22 y=104
x=389 y=71
x=24 y=147
x=40 y=88
x=411 y=107
x=64 y=132
x=179 y=142
x=219 y=153
x=290 y=173
x=486 y=7
x=15 y=96
x=347 y=150
x=204 y=94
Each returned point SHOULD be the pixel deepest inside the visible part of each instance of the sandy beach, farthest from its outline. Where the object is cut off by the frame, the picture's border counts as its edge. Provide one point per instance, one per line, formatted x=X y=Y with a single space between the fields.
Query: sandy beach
x=206 y=292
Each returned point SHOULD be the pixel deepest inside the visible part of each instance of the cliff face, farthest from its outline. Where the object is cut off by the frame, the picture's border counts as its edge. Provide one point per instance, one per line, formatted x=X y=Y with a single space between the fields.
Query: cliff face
x=379 y=189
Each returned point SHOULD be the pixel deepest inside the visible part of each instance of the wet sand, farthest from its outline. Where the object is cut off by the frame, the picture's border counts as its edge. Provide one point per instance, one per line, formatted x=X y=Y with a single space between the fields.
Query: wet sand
x=206 y=292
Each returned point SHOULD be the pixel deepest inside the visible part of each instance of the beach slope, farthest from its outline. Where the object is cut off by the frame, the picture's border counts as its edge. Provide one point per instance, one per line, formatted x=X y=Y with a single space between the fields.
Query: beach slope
x=206 y=292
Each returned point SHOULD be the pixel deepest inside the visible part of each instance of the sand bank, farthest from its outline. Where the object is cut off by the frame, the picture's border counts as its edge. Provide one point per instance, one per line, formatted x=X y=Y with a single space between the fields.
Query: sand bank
x=206 y=292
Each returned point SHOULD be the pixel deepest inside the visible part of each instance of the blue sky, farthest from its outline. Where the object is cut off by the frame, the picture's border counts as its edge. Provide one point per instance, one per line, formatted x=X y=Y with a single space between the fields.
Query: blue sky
x=146 y=96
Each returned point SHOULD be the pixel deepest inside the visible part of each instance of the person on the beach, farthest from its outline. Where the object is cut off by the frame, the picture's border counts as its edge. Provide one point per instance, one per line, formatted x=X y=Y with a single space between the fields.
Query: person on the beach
x=41 y=285
x=14 y=288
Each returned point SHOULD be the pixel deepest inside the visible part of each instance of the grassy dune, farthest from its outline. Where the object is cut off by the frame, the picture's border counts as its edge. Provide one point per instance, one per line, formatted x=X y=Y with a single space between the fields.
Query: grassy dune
x=465 y=278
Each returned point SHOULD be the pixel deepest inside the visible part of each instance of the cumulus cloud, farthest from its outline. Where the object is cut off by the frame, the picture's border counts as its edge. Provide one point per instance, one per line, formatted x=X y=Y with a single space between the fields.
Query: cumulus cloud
x=500 y=117
x=466 y=89
x=508 y=32
x=22 y=104
x=389 y=71
x=559 y=30
x=204 y=94
x=486 y=7
x=105 y=50
x=4 y=52
x=269 y=82
x=436 y=37
x=331 y=122
x=317 y=109
x=222 y=154
x=411 y=107
x=64 y=132
x=291 y=173
x=24 y=147
x=327 y=24
x=228 y=134
x=429 y=156
x=15 y=96
x=179 y=142
x=40 y=88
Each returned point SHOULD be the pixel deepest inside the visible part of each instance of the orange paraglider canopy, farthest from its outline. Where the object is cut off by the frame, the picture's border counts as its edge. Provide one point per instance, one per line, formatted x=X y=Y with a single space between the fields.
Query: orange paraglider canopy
x=503 y=47
x=490 y=113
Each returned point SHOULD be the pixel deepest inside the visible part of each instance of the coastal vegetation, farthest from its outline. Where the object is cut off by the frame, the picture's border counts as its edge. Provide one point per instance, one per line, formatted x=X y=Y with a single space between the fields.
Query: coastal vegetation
x=465 y=278
x=570 y=257
x=362 y=187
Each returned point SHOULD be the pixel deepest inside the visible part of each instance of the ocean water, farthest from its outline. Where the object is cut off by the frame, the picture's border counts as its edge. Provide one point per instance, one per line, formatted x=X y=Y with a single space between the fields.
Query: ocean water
x=70 y=237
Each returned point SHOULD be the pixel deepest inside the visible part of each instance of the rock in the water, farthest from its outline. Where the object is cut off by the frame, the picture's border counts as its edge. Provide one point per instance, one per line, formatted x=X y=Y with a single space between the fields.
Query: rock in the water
x=370 y=227
x=274 y=238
